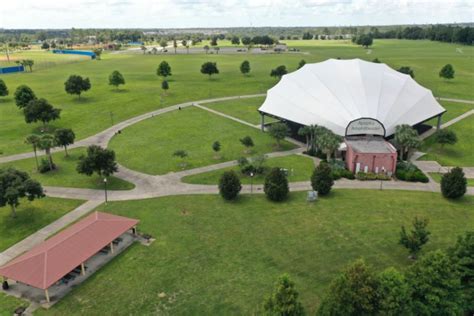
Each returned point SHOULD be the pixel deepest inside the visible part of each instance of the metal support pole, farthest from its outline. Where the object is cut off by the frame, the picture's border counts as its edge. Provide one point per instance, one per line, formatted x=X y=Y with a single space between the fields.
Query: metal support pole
x=112 y=247
x=46 y=294
x=262 y=122
x=438 y=125
x=83 y=269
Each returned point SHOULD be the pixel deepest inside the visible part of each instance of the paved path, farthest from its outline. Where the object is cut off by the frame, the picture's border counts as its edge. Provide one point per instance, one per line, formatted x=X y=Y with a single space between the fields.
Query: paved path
x=431 y=131
x=457 y=100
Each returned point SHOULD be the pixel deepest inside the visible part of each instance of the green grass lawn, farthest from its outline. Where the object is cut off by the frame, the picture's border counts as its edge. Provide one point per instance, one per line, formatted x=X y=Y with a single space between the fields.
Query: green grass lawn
x=218 y=258
x=66 y=174
x=8 y=304
x=453 y=110
x=92 y=113
x=244 y=109
x=299 y=168
x=149 y=145
x=437 y=177
x=460 y=154
x=31 y=216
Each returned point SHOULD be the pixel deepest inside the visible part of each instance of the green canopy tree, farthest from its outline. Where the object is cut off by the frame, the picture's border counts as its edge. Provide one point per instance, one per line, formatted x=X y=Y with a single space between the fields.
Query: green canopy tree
x=284 y=300
x=247 y=141
x=40 y=110
x=23 y=96
x=33 y=140
x=98 y=160
x=436 y=286
x=216 y=147
x=278 y=131
x=407 y=70
x=235 y=40
x=407 y=138
x=14 y=185
x=229 y=185
x=64 y=137
x=462 y=256
x=446 y=136
x=447 y=72
x=3 y=89
x=116 y=79
x=454 y=183
x=394 y=293
x=301 y=63
x=321 y=179
x=276 y=185
x=164 y=69
x=417 y=237
x=75 y=84
x=209 y=68
x=278 y=72
x=245 y=67
x=180 y=153
x=28 y=63
x=98 y=53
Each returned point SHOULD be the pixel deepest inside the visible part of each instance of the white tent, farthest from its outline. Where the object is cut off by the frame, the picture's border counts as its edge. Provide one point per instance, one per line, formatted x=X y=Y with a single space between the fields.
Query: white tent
x=334 y=93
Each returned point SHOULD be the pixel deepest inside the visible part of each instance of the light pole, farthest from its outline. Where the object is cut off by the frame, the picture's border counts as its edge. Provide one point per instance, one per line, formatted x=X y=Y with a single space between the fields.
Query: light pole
x=105 y=189
x=251 y=182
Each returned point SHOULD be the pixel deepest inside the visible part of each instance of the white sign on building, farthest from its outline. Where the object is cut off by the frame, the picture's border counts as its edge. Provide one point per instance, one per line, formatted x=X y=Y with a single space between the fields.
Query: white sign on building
x=365 y=126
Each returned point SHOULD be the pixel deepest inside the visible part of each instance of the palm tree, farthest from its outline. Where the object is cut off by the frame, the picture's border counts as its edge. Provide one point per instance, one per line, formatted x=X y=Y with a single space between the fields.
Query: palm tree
x=46 y=142
x=33 y=140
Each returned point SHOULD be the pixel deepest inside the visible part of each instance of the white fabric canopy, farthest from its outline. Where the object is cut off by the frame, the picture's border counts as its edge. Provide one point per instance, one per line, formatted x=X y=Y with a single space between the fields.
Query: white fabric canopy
x=335 y=92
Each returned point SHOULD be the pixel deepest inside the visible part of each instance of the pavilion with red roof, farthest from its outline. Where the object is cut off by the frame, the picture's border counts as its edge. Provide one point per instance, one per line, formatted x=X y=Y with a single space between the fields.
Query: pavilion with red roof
x=47 y=263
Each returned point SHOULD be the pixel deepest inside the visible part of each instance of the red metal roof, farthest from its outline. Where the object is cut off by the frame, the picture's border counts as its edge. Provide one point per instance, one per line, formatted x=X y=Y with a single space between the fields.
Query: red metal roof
x=48 y=262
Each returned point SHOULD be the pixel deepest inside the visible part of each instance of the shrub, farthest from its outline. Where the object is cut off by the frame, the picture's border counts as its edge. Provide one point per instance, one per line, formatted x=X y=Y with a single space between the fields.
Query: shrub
x=453 y=183
x=44 y=166
x=338 y=168
x=371 y=176
x=276 y=185
x=407 y=171
x=321 y=179
x=229 y=185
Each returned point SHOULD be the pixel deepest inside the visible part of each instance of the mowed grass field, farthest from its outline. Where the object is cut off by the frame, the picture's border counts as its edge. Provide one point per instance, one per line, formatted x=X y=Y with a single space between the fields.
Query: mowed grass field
x=101 y=106
x=31 y=216
x=148 y=146
x=213 y=257
x=66 y=175
x=460 y=154
x=299 y=168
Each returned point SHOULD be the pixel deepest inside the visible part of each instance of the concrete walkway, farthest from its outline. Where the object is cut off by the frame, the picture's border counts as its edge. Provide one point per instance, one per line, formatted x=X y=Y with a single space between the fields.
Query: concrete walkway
x=456 y=100
x=431 y=131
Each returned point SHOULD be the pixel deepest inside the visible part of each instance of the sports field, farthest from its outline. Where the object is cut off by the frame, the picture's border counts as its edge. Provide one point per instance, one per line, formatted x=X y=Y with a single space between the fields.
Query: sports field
x=102 y=106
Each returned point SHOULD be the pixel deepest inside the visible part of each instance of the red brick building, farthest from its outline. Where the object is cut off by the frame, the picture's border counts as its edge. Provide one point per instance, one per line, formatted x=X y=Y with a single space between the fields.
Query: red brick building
x=370 y=154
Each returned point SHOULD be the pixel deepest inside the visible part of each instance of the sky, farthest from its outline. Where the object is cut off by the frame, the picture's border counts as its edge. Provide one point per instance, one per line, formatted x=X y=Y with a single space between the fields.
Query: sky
x=25 y=14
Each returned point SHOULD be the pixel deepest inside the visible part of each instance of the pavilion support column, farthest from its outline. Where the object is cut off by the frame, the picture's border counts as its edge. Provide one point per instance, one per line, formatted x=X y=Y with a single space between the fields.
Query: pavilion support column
x=262 y=122
x=112 y=247
x=83 y=269
x=438 y=125
x=46 y=294
x=134 y=230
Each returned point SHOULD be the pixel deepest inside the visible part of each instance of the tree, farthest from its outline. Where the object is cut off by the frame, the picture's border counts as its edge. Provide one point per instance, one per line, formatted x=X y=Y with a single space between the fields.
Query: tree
x=99 y=160
x=407 y=70
x=352 y=293
x=245 y=67
x=143 y=48
x=394 y=293
x=181 y=154
x=305 y=132
x=447 y=72
x=175 y=45
x=14 y=185
x=276 y=185
x=376 y=60
x=214 y=41
x=164 y=69
x=284 y=299
x=98 y=53
x=365 y=40
x=454 y=183
x=23 y=96
x=33 y=140
x=165 y=86
x=301 y=63
x=462 y=256
x=3 y=89
x=28 y=63
x=436 y=286
x=46 y=142
x=163 y=44
x=247 y=141
x=209 y=68
x=279 y=71
x=235 y=40
x=418 y=236
x=247 y=41
x=407 y=138
x=40 y=110
x=229 y=185
x=216 y=147
x=116 y=79
x=278 y=131
x=321 y=179
x=216 y=49
x=328 y=142
x=77 y=85
x=64 y=137
x=446 y=136
x=206 y=49
x=45 y=45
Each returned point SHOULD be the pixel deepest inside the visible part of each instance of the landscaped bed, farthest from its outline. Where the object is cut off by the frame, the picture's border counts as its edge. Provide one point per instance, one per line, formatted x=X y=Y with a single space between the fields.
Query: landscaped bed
x=460 y=154
x=66 y=175
x=149 y=145
x=31 y=216
x=299 y=168
x=213 y=257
